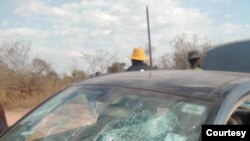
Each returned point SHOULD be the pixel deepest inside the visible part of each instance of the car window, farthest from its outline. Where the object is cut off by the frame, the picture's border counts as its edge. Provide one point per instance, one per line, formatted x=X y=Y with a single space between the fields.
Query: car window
x=71 y=115
x=241 y=115
x=113 y=114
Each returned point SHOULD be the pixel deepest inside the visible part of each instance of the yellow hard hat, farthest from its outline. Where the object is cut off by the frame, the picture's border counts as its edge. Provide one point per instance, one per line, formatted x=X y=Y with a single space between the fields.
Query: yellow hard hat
x=138 y=54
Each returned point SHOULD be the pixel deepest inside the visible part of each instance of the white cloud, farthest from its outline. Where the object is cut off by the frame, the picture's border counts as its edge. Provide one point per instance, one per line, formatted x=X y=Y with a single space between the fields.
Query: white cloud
x=74 y=53
x=235 y=31
x=74 y=6
x=230 y=28
x=31 y=8
x=119 y=25
x=23 y=33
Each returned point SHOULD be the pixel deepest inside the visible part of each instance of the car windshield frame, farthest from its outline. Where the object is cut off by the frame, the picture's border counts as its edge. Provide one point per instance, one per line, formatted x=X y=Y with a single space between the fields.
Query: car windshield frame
x=67 y=93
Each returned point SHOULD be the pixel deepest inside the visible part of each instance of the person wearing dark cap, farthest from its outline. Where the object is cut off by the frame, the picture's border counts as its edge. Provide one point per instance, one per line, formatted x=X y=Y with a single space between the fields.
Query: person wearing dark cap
x=98 y=74
x=138 y=57
x=194 y=60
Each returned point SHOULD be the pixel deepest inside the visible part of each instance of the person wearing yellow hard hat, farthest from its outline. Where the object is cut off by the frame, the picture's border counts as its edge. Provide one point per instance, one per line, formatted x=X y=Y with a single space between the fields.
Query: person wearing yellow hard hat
x=194 y=60
x=137 y=59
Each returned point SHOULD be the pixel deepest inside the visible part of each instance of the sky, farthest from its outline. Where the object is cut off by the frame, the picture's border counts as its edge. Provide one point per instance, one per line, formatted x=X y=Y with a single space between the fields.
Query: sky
x=59 y=30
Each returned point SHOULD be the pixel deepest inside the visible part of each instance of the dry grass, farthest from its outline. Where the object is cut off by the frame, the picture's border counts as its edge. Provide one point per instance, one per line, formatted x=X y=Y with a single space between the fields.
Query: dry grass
x=18 y=101
x=25 y=103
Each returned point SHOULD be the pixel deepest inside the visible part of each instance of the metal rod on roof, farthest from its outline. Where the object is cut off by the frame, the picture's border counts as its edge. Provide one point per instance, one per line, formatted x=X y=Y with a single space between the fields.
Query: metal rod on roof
x=149 y=39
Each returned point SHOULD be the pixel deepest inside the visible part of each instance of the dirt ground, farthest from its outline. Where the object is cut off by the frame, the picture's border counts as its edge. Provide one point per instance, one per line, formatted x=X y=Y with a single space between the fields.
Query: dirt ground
x=14 y=115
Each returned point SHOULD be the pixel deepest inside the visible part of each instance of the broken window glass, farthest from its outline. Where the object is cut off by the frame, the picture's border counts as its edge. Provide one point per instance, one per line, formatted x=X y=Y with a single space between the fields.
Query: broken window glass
x=113 y=114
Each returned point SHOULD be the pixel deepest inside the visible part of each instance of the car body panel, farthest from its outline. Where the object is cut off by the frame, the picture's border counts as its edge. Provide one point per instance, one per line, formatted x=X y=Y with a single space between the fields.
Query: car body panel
x=230 y=101
x=206 y=85
x=26 y=126
x=222 y=90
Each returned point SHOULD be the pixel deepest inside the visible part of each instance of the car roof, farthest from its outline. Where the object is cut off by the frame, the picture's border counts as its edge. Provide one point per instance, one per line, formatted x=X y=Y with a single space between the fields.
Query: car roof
x=204 y=85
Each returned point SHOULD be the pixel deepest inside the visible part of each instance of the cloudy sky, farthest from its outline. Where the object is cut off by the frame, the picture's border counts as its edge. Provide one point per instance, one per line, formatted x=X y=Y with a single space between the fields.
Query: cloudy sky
x=60 y=29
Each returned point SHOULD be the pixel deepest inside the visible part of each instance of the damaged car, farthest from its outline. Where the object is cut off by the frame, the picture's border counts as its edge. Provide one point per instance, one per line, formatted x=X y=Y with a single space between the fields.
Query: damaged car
x=134 y=106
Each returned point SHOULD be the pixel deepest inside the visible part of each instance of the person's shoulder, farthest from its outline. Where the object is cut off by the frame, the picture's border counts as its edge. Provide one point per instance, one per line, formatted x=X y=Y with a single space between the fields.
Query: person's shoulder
x=147 y=67
x=129 y=68
x=141 y=67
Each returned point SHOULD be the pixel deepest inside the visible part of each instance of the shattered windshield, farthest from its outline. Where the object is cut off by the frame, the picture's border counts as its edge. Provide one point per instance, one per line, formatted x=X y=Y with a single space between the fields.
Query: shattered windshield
x=112 y=114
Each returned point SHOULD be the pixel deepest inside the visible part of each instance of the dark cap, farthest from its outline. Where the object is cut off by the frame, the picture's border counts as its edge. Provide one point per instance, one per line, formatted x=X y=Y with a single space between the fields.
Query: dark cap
x=193 y=55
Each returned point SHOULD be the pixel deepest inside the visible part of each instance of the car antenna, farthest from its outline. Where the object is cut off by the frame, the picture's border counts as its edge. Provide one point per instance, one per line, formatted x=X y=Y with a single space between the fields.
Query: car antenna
x=149 y=38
